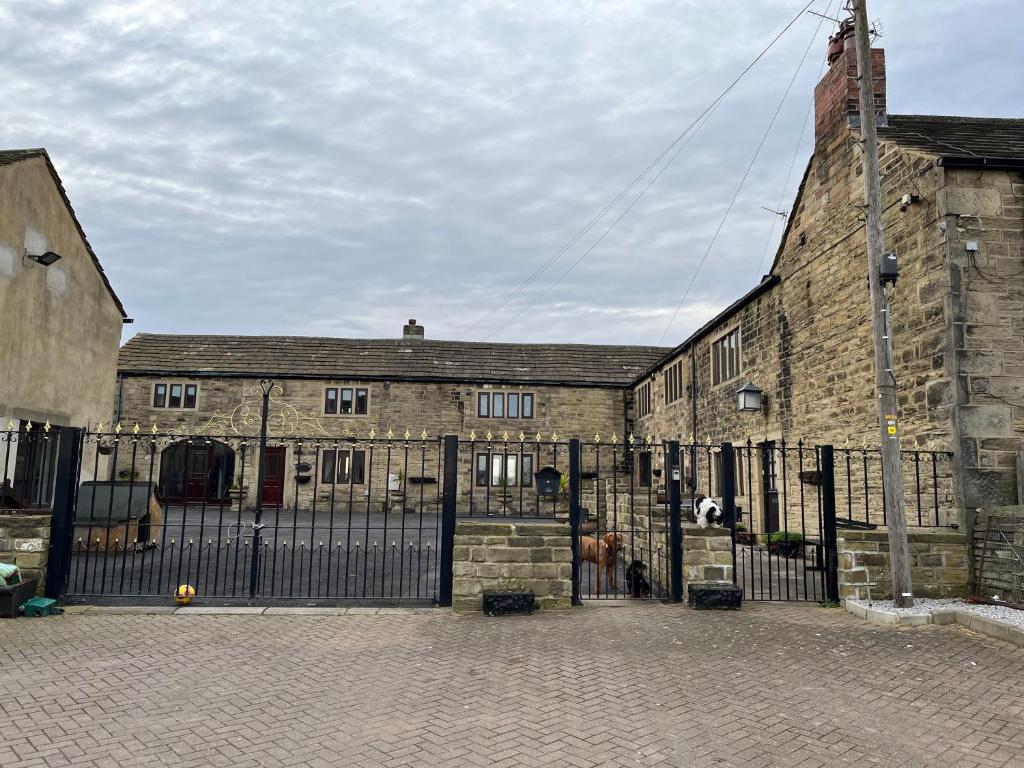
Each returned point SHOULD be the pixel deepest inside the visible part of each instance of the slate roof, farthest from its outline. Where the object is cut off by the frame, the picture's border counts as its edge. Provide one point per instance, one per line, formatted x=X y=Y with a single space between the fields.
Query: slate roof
x=11 y=156
x=957 y=137
x=588 y=365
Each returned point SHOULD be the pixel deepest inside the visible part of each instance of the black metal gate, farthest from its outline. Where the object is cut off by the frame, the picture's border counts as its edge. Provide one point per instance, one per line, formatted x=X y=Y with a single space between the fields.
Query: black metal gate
x=312 y=519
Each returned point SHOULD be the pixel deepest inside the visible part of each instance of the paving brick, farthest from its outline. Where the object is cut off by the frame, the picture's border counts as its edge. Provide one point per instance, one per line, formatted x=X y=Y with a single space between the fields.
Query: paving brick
x=787 y=685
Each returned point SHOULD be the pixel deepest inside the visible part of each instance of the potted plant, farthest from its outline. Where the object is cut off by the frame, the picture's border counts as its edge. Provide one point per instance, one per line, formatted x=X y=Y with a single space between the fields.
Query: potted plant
x=128 y=474
x=785 y=543
x=238 y=489
x=743 y=536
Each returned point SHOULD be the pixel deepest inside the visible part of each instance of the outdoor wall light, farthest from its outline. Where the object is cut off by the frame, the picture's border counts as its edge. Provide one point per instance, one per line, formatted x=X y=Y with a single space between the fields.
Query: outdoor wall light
x=749 y=398
x=46 y=259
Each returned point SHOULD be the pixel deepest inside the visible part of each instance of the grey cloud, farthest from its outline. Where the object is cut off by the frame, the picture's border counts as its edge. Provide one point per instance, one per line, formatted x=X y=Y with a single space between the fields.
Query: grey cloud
x=334 y=168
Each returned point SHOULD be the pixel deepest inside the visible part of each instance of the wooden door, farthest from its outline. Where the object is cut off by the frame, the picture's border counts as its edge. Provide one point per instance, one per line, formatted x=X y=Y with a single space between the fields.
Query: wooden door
x=197 y=473
x=273 y=476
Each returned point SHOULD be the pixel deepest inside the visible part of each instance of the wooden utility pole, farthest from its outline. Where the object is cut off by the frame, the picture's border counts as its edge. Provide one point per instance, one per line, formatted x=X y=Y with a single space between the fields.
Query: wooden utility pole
x=885 y=377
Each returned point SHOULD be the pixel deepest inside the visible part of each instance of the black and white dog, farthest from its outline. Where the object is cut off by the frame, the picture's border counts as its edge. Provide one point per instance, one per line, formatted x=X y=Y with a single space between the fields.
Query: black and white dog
x=707 y=512
x=636 y=582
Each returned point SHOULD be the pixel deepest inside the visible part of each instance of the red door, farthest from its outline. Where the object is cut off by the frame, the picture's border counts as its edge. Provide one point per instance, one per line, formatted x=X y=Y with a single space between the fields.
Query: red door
x=197 y=473
x=273 y=476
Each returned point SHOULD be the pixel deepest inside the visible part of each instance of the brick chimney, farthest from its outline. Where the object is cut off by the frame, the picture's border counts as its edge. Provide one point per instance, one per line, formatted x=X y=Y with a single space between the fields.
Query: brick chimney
x=836 y=101
x=412 y=331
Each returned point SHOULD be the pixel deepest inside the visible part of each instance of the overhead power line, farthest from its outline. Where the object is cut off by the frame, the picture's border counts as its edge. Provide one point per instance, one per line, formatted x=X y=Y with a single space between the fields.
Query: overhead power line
x=593 y=222
x=743 y=181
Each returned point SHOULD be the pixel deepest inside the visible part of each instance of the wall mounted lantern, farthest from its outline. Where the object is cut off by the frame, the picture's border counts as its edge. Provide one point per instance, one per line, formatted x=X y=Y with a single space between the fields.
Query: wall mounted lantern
x=749 y=398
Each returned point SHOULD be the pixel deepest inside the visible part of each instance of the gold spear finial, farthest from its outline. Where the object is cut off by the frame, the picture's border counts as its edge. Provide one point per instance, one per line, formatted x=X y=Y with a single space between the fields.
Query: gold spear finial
x=489 y=436
x=631 y=438
x=136 y=429
x=47 y=427
x=615 y=439
x=117 y=429
x=504 y=436
x=472 y=434
x=153 y=429
x=597 y=438
x=423 y=435
x=28 y=427
x=373 y=434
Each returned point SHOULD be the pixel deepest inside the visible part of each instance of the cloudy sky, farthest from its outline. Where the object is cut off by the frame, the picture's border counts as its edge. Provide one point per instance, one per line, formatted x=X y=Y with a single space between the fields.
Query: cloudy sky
x=332 y=168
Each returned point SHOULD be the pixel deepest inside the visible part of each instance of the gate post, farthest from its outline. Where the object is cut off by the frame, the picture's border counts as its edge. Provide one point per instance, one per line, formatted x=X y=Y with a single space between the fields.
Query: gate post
x=574 y=517
x=449 y=500
x=257 y=522
x=675 y=530
x=62 y=522
x=729 y=498
x=829 y=533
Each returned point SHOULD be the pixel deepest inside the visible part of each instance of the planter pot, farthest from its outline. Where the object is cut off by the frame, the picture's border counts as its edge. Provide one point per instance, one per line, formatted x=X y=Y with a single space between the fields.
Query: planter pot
x=508 y=602
x=785 y=549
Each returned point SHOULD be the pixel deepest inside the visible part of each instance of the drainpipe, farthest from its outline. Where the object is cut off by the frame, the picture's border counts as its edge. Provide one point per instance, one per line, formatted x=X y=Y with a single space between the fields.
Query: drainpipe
x=120 y=394
x=693 y=394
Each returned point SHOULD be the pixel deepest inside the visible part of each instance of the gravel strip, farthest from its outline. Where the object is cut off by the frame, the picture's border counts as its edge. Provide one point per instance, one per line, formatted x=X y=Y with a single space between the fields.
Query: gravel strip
x=922 y=605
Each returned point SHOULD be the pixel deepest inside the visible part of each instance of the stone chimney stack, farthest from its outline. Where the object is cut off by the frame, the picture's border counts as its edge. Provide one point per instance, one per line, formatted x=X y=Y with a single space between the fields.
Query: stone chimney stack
x=412 y=331
x=836 y=101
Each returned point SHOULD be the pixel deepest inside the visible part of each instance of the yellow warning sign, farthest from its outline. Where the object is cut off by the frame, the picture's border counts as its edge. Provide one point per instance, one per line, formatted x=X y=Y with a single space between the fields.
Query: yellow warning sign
x=890 y=424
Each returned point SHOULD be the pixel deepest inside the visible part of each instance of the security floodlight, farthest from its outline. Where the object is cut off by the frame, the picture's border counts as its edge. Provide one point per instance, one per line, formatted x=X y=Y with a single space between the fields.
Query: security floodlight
x=46 y=259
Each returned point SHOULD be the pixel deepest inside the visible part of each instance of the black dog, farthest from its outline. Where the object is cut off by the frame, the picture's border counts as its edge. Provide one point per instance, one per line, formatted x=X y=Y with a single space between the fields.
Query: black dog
x=636 y=583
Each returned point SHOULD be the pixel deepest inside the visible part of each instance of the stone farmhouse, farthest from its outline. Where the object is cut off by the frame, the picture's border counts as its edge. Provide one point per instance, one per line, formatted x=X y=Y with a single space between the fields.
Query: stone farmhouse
x=953 y=200
x=332 y=390
x=953 y=196
x=60 y=326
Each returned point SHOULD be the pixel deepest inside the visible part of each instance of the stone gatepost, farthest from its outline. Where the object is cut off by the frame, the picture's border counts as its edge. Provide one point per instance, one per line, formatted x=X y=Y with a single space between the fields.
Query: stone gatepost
x=25 y=541
x=707 y=556
x=489 y=555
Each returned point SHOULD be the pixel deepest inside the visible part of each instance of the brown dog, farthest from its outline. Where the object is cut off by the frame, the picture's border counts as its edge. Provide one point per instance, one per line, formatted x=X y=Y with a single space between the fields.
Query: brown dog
x=604 y=554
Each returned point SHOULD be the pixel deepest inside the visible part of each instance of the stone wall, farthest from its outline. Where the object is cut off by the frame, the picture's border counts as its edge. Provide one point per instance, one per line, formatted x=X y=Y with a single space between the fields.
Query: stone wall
x=533 y=555
x=25 y=541
x=938 y=563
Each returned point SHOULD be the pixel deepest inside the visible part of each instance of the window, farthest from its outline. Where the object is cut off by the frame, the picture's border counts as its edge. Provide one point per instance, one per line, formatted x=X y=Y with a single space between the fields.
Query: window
x=343 y=467
x=346 y=401
x=527 y=476
x=644 y=469
x=737 y=474
x=513 y=468
x=643 y=399
x=504 y=405
x=674 y=387
x=175 y=395
x=725 y=357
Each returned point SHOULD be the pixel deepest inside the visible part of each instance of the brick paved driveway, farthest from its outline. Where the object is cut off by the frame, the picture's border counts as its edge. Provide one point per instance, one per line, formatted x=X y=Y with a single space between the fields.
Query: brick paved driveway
x=639 y=685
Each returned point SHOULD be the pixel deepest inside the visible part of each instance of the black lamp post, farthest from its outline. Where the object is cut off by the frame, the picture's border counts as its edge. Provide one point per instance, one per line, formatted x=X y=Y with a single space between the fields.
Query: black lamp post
x=266 y=385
